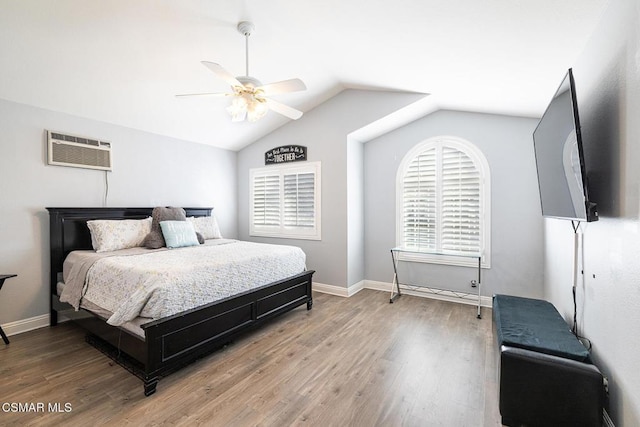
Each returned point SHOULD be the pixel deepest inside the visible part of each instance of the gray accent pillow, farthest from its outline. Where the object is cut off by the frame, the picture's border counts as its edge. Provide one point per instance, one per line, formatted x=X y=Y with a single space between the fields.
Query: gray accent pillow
x=155 y=239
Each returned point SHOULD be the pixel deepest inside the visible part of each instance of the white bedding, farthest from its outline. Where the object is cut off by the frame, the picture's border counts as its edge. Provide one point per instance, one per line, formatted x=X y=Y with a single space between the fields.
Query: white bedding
x=156 y=284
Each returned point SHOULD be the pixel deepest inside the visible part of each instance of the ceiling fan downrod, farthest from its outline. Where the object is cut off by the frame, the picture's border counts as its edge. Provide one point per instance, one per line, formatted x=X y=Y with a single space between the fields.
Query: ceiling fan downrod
x=246 y=28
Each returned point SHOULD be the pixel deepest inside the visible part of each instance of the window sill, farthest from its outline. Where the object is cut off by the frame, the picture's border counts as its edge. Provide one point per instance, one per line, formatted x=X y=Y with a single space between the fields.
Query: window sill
x=285 y=236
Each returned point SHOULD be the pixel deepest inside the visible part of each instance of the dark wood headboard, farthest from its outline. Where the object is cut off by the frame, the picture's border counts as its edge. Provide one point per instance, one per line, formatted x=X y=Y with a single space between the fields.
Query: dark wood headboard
x=68 y=230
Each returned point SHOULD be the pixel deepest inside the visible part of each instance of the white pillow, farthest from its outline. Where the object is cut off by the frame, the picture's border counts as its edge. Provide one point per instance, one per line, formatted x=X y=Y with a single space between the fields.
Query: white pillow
x=113 y=234
x=207 y=226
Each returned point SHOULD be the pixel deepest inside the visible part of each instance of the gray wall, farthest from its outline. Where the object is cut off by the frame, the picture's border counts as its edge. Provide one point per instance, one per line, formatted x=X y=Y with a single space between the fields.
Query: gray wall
x=516 y=224
x=607 y=75
x=324 y=130
x=355 y=211
x=148 y=170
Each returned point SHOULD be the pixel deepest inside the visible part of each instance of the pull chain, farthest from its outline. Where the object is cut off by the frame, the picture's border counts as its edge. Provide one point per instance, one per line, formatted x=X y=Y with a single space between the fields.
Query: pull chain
x=246 y=49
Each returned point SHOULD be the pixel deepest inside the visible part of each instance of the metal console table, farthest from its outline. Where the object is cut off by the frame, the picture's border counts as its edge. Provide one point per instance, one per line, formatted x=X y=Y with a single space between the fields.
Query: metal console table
x=395 y=288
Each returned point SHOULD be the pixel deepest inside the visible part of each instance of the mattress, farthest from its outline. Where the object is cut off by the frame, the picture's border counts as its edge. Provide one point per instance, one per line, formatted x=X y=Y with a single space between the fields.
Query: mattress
x=137 y=282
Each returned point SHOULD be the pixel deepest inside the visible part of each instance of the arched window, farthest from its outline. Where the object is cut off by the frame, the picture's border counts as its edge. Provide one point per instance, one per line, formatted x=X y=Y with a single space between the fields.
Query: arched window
x=443 y=202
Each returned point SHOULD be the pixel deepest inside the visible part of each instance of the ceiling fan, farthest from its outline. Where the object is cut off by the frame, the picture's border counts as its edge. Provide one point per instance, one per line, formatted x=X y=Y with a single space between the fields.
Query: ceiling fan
x=250 y=97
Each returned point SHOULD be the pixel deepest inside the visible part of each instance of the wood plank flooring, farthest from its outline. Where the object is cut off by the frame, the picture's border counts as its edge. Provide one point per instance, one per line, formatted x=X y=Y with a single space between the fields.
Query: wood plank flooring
x=356 y=361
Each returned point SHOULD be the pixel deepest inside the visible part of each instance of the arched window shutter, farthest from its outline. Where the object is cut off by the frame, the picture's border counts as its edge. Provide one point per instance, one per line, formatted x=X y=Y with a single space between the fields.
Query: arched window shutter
x=443 y=199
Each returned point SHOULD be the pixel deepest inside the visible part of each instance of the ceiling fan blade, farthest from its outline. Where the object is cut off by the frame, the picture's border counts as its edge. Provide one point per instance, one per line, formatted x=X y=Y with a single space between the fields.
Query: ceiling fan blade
x=204 y=94
x=222 y=73
x=285 y=110
x=285 y=86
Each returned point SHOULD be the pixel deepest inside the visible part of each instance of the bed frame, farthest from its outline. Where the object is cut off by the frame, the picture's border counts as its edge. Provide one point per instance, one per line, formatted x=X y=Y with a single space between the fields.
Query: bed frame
x=177 y=340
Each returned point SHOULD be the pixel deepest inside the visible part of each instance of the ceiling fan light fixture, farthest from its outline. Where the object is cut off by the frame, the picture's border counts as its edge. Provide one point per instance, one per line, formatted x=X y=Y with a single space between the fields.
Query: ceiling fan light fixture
x=247 y=104
x=241 y=109
x=238 y=108
x=256 y=109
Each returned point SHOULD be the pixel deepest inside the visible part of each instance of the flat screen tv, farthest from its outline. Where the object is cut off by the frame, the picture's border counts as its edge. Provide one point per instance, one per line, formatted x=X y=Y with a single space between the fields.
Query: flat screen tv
x=562 y=177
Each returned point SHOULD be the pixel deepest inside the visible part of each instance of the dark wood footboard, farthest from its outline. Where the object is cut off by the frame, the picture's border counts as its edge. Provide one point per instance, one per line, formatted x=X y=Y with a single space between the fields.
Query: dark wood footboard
x=184 y=337
x=177 y=340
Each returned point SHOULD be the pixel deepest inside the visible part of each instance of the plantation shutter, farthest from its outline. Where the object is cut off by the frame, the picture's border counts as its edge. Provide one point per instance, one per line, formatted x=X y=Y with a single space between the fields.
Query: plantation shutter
x=285 y=201
x=419 y=202
x=460 y=226
x=441 y=202
x=266 y=200
x=299 y=200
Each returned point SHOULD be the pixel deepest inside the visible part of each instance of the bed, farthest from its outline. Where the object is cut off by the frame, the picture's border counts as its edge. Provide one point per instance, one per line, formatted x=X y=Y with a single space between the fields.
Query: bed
x=168 y=343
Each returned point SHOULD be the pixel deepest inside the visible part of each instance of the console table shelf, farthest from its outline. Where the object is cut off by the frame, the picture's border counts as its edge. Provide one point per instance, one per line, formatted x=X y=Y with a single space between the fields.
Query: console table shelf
x=395 y=288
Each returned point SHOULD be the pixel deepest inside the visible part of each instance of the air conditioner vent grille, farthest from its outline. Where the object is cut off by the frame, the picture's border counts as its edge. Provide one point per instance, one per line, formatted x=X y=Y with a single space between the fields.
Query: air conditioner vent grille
x=78 y=151
x=81 y=156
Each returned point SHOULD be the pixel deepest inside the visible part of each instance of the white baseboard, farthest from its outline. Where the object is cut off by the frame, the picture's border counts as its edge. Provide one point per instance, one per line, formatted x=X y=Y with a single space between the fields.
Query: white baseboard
x=377 y=286
x=25 y=325
x=409 y=290
x=339 y=290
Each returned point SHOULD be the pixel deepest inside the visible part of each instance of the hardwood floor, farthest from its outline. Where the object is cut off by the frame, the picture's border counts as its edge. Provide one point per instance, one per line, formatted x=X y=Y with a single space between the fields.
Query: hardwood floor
x=356 y=361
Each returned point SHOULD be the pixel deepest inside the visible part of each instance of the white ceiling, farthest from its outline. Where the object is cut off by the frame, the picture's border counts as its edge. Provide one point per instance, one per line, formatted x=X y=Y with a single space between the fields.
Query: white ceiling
x=122 y=61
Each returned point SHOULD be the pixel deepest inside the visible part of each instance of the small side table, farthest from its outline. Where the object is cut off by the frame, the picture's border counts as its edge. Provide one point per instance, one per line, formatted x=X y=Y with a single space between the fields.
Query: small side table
x=2 y=279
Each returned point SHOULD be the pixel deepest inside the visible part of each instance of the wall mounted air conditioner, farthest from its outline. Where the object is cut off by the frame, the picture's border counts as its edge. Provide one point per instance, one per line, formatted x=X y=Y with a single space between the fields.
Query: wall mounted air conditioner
x=78 y=151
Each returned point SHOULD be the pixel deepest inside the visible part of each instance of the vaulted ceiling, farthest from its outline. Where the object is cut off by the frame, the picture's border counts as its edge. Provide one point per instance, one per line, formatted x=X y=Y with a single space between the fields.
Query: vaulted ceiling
x=122 y=61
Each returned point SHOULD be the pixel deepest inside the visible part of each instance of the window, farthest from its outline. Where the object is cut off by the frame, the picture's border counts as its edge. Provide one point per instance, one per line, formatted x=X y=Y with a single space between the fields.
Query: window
x=443 y=202
x=285 y=201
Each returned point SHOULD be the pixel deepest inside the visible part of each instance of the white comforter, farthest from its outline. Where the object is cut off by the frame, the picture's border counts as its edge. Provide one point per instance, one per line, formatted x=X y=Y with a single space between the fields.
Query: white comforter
x=161 y=283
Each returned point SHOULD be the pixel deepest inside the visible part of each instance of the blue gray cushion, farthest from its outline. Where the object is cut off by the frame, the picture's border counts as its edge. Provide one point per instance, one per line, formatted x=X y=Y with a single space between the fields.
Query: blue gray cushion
x=178 y=234
x=535 y=325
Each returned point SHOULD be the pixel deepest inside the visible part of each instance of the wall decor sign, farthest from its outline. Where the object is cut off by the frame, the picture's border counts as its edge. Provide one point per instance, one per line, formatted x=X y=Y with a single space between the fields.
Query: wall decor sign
x=284 y=154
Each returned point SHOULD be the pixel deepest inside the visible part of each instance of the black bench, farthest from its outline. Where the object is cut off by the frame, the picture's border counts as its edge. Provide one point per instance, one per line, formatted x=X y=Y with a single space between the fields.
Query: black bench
x=546 y=375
